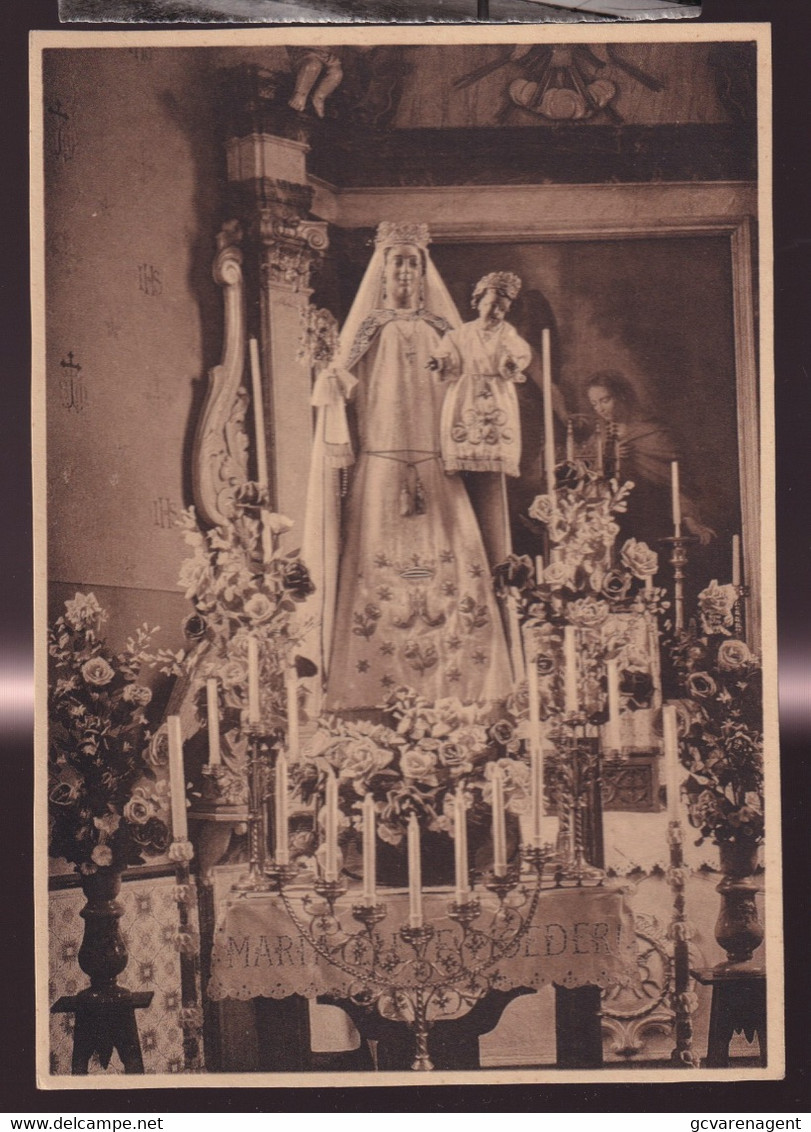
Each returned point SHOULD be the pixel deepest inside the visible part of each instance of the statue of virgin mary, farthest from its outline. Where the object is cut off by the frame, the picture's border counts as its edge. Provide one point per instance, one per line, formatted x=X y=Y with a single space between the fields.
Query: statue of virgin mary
x=403 y=583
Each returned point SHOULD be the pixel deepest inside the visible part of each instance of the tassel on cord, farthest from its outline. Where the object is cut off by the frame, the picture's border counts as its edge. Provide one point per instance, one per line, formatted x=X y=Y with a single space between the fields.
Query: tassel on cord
x=412 y=493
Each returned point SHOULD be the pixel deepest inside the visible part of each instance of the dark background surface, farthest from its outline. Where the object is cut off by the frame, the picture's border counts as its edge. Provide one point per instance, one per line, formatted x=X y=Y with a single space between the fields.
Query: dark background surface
x=792 y=222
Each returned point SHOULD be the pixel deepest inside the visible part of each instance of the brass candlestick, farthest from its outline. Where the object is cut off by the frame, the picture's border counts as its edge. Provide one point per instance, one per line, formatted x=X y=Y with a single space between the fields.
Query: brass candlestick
x=256 y=879
x=678 y=560
x=738 y=611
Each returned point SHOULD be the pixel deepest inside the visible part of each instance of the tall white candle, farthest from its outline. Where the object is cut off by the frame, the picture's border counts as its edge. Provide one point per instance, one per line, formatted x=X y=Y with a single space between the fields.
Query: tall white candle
x=460 y=846
x=291 y=685
x=213 y=716
x=548 y=422
x=539 y=569
x=736 y=560
x=613 y=741
x=177 y=780
x=414 y=874
x=258 y=414
x=570 y=669
x=331 y=828
x=254 y=713
x=535 y=750
x=648 y=583
x=672 y=765
x=675 y=492
x=280 y=808
x=569 y=441
x=369 y=852
x=499 y=827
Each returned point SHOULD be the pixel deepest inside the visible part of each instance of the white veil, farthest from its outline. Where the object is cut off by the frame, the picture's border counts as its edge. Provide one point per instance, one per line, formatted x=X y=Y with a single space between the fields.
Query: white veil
x=331 y=442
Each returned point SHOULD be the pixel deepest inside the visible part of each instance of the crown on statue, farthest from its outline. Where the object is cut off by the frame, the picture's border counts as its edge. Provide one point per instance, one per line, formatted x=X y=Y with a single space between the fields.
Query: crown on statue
x=392 y=232
x=505 y=282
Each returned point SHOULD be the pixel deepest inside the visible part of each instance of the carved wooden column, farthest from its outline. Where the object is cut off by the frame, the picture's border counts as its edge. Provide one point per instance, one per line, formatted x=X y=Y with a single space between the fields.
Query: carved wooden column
x=268 y=183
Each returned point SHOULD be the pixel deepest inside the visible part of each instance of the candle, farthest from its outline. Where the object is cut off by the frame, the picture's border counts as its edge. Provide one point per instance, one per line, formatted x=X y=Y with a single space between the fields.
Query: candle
x=258 y=415
x=569 y=441
x=254 y=714
x=291 y=684
x=539 y=569
x=414 y=874
x=177 y=780
x=600 y=455
x=648 y=584
x=369 y=852
x=570 y=669
x=613 y=740
x=499 y=828
x=535 y=751
x=213 y=714
x=331 y=828
x=548 y=426
x=460 y=846
x=676 y=496
x=736 y=560
x=282 y=839
x=672 y=766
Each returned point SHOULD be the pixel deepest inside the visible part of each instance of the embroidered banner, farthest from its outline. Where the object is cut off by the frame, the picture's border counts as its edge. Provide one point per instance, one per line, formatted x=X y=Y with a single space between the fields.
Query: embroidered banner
x=576 y=937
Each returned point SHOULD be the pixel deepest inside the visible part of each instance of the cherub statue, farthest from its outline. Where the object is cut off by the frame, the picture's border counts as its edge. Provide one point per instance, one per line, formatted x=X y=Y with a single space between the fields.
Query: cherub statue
x=480 y=430
x=318 y=75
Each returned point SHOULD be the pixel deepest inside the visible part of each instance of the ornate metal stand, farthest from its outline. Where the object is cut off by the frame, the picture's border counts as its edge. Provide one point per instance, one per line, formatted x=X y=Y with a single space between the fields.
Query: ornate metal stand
x=578 y=796
x=738 y=612
x=260 y=780
x=434 y=974
x=188 y=945
x=683 y=1001
x=678 y=560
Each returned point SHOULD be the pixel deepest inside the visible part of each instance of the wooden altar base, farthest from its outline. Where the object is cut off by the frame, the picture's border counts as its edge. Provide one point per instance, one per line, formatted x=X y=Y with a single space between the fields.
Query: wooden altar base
x=738 y=1005
x=105 y=1023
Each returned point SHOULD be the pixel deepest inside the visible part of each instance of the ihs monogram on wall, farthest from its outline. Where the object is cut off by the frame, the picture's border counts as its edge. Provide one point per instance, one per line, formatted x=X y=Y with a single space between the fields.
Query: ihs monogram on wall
x=71 y=385
x=560 y=82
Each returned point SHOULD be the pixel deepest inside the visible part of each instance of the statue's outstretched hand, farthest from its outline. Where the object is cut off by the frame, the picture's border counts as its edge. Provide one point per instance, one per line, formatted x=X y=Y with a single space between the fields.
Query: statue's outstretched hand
x=704 y=534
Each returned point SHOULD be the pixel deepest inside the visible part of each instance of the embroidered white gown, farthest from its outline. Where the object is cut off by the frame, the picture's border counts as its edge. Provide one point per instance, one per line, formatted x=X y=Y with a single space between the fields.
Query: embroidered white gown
x=415 y=602
x=480 y=427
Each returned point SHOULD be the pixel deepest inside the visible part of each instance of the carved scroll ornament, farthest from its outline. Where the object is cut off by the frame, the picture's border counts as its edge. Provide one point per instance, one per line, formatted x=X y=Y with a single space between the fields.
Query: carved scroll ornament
x=220 y=458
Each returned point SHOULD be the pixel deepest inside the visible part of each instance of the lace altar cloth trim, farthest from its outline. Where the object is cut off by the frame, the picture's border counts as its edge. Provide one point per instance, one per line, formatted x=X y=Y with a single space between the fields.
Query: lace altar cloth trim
x=577 y=937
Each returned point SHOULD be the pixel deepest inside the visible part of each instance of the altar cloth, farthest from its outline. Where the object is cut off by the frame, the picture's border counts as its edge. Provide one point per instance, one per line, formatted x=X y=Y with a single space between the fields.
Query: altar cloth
x=577 y=937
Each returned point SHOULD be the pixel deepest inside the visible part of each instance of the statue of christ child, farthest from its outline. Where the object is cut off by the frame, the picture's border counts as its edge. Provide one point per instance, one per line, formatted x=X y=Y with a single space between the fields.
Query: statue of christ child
x=480 y=429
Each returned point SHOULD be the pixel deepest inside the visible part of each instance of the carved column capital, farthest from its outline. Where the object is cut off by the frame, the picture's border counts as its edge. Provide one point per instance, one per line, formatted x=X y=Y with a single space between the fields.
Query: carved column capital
x=291 y=248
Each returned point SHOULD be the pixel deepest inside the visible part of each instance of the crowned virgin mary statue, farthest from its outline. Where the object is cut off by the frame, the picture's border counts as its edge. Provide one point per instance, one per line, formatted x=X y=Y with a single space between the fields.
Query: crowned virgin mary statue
x=404 y=593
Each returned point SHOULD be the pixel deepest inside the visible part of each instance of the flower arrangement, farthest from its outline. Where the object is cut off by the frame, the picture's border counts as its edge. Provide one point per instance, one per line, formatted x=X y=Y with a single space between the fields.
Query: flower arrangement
x=106 y=807
x=721 y=724
x=239 y=591
x=588 y=585
x=415 y=761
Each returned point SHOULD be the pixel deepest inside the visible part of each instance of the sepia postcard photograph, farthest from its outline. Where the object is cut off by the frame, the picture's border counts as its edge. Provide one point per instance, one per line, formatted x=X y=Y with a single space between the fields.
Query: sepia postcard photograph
x=404 y=508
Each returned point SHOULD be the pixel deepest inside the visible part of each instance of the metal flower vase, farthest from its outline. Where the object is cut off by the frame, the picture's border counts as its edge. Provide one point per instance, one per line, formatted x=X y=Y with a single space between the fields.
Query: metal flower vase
x=738 y=928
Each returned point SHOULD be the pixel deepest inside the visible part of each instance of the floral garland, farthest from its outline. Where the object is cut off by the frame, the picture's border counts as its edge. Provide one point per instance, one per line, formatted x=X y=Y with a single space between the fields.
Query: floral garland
x=721 y=724
x=240 y=592
x=415 y=761
x=106 y=808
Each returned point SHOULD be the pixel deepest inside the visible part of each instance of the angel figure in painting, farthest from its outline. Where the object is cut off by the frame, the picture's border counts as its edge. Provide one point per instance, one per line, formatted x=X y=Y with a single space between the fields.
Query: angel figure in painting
x=642 y=449
x=480 y=427
x=404 y=587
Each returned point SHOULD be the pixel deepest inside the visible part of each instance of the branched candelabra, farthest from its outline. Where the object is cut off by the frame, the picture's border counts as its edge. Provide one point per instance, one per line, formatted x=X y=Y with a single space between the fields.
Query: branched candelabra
x=418 y=974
